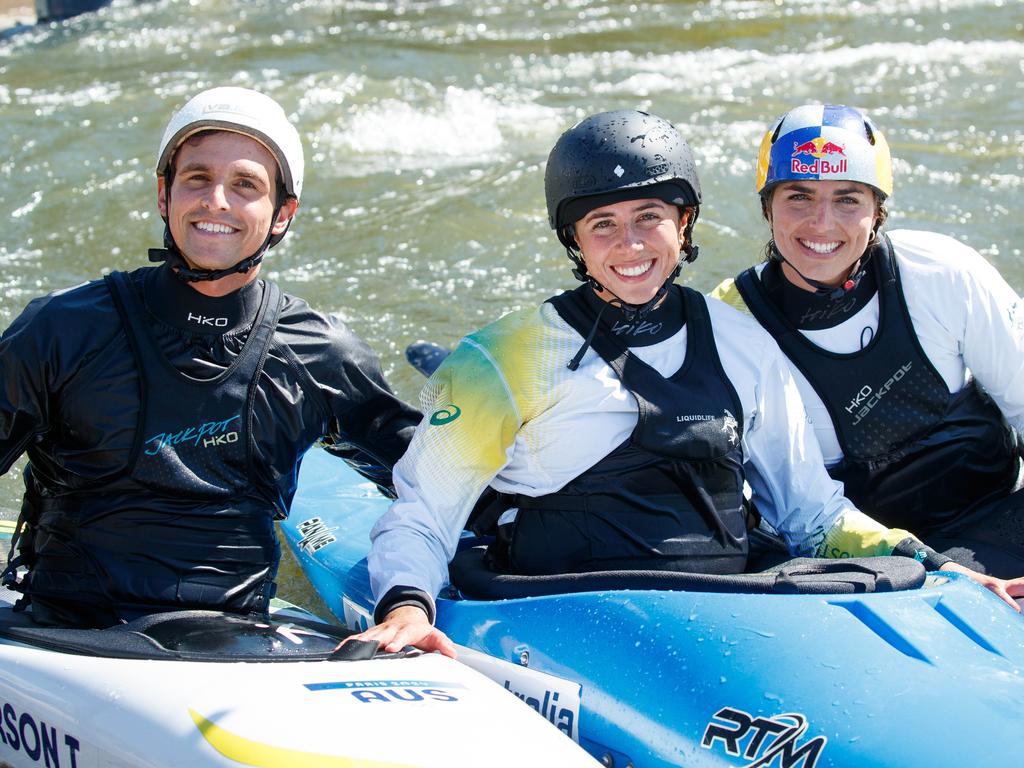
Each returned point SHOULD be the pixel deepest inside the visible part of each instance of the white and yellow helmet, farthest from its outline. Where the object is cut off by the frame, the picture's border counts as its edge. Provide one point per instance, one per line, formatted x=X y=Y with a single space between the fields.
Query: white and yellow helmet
x=825 y=142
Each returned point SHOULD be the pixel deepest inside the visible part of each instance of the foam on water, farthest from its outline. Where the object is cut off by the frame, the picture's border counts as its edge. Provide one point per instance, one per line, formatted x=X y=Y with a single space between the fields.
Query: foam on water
x=461 y=127
x=729 y=70
x=28 y=207
x=859 y=9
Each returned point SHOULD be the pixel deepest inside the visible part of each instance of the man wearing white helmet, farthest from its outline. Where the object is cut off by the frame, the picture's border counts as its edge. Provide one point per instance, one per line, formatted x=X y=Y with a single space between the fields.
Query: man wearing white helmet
x=908 y=347
x=253 y=131
x=165 y=411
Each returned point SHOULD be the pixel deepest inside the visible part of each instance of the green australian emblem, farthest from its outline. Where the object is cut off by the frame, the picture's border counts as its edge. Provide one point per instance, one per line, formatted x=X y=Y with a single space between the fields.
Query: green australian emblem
x=444 y=415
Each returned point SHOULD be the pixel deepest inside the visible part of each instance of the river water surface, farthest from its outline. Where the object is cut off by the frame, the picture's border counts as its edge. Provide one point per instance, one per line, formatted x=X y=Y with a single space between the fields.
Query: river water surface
x=427 y=124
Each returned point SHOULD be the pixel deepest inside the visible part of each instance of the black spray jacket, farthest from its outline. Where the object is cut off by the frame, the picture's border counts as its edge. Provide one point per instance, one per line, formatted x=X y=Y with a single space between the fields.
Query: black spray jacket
x=161 y=449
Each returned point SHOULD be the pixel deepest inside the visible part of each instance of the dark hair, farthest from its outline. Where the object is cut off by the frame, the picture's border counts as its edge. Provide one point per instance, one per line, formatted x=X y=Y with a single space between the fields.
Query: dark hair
x=881 y=214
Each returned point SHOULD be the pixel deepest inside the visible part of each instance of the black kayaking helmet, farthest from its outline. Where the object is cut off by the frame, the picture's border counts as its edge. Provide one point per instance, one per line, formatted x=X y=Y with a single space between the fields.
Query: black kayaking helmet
x=615 y=156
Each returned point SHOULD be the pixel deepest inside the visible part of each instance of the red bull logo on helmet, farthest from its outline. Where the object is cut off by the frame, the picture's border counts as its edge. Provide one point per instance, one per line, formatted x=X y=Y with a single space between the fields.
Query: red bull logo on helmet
x=829 y=157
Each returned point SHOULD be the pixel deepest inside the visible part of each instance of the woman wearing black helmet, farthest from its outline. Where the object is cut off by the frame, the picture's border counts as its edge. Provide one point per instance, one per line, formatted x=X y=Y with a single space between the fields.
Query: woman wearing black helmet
x=908 y=348
x=620 y=420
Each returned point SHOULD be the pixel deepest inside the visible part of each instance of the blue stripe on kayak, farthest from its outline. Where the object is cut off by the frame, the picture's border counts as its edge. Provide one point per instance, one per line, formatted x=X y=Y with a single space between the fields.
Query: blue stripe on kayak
x=364 y=684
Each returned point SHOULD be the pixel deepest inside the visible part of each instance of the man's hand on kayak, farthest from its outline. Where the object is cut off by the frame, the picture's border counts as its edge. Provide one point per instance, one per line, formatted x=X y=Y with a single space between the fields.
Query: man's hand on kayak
x=1007 y=589
x=408 y=625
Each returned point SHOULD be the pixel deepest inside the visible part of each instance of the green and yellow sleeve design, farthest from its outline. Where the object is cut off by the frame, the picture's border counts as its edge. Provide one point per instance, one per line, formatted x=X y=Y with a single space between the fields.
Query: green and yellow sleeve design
x=857 y=535
x=477 y=403
x=727 y=292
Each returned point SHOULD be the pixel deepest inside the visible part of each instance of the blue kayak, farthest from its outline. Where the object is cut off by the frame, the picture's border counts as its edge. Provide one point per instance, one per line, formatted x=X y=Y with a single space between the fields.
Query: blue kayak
x=800 y=667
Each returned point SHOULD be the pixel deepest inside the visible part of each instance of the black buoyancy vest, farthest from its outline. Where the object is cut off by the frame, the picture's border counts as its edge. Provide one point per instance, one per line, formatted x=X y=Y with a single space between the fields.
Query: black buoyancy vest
x=915 y=456
x=670 y=497
x=184 y=523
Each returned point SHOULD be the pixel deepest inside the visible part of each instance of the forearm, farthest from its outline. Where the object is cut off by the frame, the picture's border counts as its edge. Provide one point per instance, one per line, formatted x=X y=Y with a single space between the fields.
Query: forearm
x=854 y=534
x=381 y=426
x=22 y=408
x=453 y=456
x=371 y=428
x=408 y=559
x=785 y=468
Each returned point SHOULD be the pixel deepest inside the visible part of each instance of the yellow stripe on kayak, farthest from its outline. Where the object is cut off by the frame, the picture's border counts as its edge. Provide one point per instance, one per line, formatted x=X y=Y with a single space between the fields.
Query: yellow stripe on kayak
x=7 y=527
x=248 y=752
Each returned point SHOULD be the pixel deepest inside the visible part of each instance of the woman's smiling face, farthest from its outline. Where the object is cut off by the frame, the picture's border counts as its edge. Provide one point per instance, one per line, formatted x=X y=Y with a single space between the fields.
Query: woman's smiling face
x=631 y=247
x=822 y=228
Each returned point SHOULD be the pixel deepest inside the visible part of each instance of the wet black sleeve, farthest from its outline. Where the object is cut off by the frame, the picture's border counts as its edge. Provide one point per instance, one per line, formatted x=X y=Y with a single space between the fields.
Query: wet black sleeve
x=24 y=411
x=42 y=350
x=368 y=425
x=396 y=597
x=373 y=426
x=913 y=548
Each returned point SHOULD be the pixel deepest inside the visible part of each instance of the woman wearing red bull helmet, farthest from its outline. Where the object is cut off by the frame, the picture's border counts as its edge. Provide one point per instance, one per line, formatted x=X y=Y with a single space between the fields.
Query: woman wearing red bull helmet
x=620 y=420
x=908 y=347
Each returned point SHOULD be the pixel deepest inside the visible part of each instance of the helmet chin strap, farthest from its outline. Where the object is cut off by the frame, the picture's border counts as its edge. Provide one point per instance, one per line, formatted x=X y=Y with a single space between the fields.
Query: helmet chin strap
x=174 y=258
x=833 y=292
x=633 y=313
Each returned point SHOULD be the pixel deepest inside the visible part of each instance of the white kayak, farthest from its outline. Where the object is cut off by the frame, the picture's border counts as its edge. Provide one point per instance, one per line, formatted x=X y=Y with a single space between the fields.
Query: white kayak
x=206 y=689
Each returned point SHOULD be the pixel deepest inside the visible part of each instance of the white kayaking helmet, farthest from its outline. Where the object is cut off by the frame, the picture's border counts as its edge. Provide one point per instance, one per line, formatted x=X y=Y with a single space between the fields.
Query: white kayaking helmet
x=244 y=111
x=824 y=142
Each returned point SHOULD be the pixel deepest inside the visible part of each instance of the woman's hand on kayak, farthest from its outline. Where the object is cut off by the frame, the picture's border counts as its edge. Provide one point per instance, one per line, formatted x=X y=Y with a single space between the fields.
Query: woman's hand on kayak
x=1007 y=589
x=408 y=625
